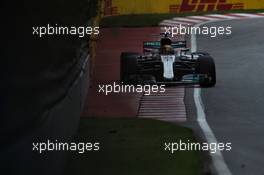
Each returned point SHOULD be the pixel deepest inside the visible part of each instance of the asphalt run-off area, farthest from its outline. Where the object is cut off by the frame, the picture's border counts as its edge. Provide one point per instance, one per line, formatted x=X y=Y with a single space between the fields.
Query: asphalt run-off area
x=110 y=44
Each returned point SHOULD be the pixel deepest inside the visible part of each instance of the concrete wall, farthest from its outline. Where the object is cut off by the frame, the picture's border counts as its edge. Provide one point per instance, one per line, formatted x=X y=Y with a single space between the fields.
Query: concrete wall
x=45 y=83
x=59 y=123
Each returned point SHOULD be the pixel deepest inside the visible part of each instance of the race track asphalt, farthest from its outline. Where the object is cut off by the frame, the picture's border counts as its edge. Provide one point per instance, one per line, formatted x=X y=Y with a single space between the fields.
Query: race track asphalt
x=235 y=107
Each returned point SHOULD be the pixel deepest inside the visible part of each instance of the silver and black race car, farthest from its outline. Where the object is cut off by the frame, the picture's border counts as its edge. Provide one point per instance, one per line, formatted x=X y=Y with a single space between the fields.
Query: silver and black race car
x=167 y=62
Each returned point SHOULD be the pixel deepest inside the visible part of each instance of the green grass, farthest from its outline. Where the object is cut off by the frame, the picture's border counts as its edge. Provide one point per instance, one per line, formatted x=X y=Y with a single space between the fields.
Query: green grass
x=147 y=20
x=134 y=147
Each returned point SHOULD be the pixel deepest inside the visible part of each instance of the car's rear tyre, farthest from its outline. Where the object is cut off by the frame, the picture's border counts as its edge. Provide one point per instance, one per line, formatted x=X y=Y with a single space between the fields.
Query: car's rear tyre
x=128 y=66
x=206 y=65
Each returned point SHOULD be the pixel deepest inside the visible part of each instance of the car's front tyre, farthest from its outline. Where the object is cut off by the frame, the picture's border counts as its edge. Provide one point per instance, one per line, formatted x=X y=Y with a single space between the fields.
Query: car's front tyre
x=128 y=66
x=206 y=65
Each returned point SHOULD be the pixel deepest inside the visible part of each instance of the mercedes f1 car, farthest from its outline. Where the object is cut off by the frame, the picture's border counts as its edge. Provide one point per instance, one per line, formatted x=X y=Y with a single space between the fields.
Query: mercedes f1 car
x=167 y=62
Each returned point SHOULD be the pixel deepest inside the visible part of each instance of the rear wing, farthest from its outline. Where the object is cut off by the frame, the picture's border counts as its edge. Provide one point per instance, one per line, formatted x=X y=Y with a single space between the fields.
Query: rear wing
x=149 y=46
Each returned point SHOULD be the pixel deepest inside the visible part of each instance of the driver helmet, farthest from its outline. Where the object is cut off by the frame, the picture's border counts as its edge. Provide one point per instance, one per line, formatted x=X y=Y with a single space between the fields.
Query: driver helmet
x=167 y=49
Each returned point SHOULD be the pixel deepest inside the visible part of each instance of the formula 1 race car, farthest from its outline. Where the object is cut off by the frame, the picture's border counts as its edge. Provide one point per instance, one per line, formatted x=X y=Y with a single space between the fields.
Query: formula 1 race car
x=167 y=62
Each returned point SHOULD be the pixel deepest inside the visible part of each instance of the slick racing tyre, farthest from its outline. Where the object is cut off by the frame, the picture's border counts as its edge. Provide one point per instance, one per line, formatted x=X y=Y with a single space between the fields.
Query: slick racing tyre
x=128 y=67
x=206 y=65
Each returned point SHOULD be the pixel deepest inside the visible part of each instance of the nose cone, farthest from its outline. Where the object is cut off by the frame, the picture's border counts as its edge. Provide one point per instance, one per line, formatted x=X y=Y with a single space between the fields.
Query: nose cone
x=168 y=61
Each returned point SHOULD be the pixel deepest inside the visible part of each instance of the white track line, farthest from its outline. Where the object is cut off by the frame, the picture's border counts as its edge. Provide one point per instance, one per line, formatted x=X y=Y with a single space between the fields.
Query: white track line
x=224 y=16
x=188 y=20
x=172 y=24
x=218 y=161
x=177 y=22
x=207 y=18
x=248 y=15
